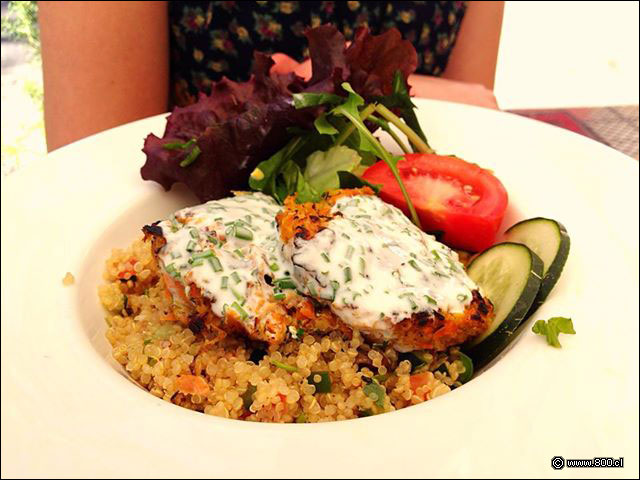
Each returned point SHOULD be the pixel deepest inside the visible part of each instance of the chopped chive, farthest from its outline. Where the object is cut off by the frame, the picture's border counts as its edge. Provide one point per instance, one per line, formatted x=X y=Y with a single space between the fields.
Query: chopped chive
x=238 y=296
x=284 y=366
x=312 y=289
x=194 y=233
x=356 y=295
x=462 y=297
x=302 y=418
x=236 y=277
x=431 y=300
x=363 y=266
x=198 y=256
x=325 y=256
x=335 y=286
x=191 y=157
x=439 y=274
x=178 y=145
x=243 y=233
x=224 y=282
x=346 y=236
x=274 y=267
x=285 y=283
x=215 y=263
x=435 y=254
x=239 y=253
x=171 y=270
x=213 y=240
x=350 y=251
x=347 y=274
x=279 y=296
x=414 y=264
x=197 y=262
x=191 y=246
x=241 y=311
x=300 y=332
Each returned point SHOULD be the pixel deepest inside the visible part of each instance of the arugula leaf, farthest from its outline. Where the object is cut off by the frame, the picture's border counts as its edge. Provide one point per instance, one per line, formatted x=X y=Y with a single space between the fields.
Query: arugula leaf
x=349 y=109
x=264 y=175
x=313 y=99
x=294 y=182
x=399 y=99
x=552 y=327
x=322 y=167
x=323 y=126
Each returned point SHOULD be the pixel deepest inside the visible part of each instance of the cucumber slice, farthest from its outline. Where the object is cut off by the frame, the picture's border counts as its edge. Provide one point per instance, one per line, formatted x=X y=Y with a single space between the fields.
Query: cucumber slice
x=549 y=240
x=508 y=274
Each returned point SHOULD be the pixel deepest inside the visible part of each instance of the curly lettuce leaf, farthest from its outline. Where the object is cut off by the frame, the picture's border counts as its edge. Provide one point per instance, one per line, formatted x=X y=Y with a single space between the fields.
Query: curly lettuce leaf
x=235 y=127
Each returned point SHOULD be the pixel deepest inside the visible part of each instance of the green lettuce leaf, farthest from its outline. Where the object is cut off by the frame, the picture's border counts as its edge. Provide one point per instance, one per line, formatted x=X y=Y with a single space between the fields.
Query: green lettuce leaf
x=322 y=168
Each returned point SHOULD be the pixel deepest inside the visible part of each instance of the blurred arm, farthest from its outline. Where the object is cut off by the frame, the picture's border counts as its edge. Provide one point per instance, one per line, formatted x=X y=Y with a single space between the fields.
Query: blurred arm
x=475 y=54
x=104 y=64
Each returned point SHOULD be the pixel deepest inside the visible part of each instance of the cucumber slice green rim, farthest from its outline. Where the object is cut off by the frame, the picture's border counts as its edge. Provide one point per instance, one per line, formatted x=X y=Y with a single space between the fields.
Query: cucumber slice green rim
x=548 y=239
x=509 y=275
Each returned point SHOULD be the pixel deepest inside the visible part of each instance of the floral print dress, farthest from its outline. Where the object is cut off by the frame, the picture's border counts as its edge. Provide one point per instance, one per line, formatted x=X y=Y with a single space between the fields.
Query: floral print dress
x=210 y=40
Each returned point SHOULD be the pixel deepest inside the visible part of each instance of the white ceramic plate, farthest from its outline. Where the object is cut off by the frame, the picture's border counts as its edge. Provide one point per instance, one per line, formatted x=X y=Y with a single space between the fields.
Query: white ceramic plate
x=67 y=410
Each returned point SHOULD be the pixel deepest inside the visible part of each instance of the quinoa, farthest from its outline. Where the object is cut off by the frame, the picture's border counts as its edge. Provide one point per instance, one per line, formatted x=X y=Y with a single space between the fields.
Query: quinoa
x=235 y=378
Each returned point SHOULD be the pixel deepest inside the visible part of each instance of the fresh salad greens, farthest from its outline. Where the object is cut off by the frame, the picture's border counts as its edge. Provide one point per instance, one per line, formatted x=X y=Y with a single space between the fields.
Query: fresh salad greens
x=283 y=135
x=340 y=143
x=552 y=327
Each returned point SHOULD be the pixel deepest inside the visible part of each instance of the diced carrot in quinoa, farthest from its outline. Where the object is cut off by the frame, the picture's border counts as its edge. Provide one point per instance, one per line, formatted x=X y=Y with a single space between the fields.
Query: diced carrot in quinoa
x=192 y=384
x=418 y=380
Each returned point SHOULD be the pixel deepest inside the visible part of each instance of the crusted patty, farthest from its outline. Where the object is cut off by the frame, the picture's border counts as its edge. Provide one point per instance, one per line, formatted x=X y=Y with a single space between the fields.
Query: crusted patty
x=380 y=274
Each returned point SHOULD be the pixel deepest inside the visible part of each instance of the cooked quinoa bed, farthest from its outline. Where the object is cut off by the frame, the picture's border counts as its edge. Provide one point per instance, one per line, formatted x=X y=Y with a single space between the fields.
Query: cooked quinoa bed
x=236 y=378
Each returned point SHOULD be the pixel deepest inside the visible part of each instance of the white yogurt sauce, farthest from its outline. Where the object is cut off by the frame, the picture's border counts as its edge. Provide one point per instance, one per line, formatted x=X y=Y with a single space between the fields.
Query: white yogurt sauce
x=375 y=268
x=226 y=247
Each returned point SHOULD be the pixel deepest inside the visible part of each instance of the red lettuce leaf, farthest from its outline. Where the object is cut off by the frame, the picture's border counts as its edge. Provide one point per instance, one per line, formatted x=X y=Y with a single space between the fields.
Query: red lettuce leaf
x=240 y=124
x=236 y=127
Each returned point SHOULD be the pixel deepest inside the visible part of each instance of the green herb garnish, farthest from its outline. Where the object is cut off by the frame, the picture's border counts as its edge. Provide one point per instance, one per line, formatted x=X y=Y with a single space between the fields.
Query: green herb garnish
x=552 y=327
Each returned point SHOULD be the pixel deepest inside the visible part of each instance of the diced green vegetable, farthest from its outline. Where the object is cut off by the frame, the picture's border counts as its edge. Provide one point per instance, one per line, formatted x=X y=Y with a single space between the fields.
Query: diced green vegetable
x=235 y=277
x=376 y=393
x=247 y=396
x=320 y=380
x=468 y=368
x=302 y=418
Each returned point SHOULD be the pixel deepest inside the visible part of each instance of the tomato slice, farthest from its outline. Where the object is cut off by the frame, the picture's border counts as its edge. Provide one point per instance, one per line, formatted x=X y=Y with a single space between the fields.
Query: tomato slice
x=460 y=202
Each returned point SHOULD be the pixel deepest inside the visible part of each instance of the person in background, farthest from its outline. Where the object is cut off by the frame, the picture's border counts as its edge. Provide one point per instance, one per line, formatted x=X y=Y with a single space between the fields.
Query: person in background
x=108 y=63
